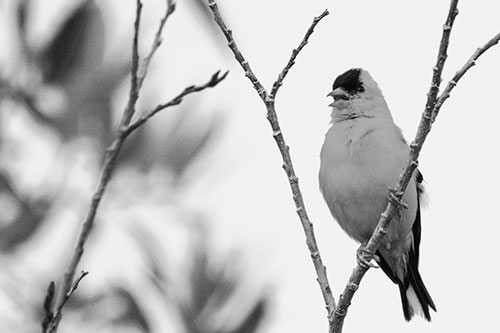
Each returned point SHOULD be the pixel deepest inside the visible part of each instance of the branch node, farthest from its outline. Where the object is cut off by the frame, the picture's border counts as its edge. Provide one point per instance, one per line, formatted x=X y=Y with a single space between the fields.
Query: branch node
x=340 y=312
x=353 y=286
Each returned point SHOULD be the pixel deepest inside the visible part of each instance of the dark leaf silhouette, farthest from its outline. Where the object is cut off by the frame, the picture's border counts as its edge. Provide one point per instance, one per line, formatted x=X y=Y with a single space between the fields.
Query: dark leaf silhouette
x=30 y=216
x=187 y=140
x=22 y=16
x=47 y=305
x=154 y=260
x=79 y=42
x=253 y=319
x=133 y=314
x=211 y=286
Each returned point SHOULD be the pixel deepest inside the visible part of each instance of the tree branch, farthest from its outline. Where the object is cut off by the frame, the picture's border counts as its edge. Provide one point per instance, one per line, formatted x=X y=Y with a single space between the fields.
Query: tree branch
x=214 y=80
x=112 y=152
x=53 y=317
x=460 y=73
x=171 y=4
x=430 y=112
x=279 y=81
x=268 y=99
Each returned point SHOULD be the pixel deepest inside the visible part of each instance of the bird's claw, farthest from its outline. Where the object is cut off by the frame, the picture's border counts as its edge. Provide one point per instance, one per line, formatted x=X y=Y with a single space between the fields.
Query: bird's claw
x=364 y=257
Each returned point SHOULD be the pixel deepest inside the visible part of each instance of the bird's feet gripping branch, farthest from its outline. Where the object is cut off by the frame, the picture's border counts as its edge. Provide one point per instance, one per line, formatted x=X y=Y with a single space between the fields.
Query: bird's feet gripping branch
x=364 y=257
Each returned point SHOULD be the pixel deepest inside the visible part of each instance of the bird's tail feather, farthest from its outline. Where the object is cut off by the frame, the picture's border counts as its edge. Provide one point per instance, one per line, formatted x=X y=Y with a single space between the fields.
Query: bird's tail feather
x=414 y=296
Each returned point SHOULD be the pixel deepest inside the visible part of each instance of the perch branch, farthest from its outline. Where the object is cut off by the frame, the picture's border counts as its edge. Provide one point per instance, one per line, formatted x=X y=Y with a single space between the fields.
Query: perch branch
x=268 y=99
x=112 y=153
x=432 y=107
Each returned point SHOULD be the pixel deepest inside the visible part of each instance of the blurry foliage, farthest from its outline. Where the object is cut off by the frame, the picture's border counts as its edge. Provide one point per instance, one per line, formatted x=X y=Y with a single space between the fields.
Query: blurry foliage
x=65 y=88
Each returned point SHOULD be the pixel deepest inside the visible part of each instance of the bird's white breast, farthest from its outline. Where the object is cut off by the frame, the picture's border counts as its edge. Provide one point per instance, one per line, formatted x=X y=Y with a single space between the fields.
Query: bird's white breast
x=360 y=160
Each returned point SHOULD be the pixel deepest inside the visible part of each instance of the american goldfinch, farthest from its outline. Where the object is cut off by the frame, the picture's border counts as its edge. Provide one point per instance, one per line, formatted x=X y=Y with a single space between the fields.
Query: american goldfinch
x=361 y=159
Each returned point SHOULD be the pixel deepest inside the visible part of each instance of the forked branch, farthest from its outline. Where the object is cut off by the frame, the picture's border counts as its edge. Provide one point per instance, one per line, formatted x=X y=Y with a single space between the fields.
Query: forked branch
x=138 y=74
x=268 y=99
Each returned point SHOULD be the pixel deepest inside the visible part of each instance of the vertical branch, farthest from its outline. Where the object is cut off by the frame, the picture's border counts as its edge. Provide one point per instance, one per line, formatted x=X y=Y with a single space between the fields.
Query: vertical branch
x=134 y=82
x=268 y=99
x=156 y=42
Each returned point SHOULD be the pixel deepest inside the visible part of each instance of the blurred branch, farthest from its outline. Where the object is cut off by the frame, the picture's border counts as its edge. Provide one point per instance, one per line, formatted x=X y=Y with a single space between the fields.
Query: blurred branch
x=28 y=100
x=156 y=42
x=54 y=316
x=431 y=110
x=112 y=154
x=268 y=99
x=214 y=80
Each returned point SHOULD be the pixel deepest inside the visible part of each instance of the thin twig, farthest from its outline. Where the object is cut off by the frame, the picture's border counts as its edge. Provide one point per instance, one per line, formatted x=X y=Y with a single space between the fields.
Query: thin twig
x=279 y=81
x=237 y=53
x=415 y=147
x=110 y=161
x=171 y=4
x=54 y=317
x=134 y=82
x=214 y=80
x=458 y=75
x=268 y=100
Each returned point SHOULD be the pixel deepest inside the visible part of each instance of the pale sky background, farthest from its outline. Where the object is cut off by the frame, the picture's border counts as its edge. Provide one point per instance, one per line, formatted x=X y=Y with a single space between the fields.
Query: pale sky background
x=245 y=192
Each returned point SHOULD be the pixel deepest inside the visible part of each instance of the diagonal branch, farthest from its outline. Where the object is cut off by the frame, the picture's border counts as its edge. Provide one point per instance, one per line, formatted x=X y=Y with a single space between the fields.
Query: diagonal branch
x=279 y=81
x=134 y=81
x=111 y=156
x=53 y=317
x=415 y=147
x=237 y=53
x=214 y=80
x=460 y=73
x=268 y=99
x=171 y=5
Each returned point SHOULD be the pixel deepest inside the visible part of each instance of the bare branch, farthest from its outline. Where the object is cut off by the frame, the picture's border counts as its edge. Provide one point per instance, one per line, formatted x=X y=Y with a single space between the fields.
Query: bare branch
x=279 y=81
x=268 y=100
x=134 y=81
x=112 y=152
x=458 y=75
x=53 y=318
x=214 y=80
x=415 y=147
x=156 y=42
x=237 y=53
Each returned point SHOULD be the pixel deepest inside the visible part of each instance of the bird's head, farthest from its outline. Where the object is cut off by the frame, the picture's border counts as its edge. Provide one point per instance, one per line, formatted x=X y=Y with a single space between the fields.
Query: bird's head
x=356 y=94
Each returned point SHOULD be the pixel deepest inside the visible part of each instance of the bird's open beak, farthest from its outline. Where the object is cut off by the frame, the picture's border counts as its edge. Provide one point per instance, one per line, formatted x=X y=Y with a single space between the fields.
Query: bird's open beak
x=338 y=94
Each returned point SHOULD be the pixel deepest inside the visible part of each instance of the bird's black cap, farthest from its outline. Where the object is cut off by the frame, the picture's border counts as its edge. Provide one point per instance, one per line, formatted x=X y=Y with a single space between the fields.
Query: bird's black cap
x=350 y=81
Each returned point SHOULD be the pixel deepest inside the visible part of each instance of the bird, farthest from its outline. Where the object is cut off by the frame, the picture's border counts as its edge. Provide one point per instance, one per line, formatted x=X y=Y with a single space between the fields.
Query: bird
x=363 y=154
